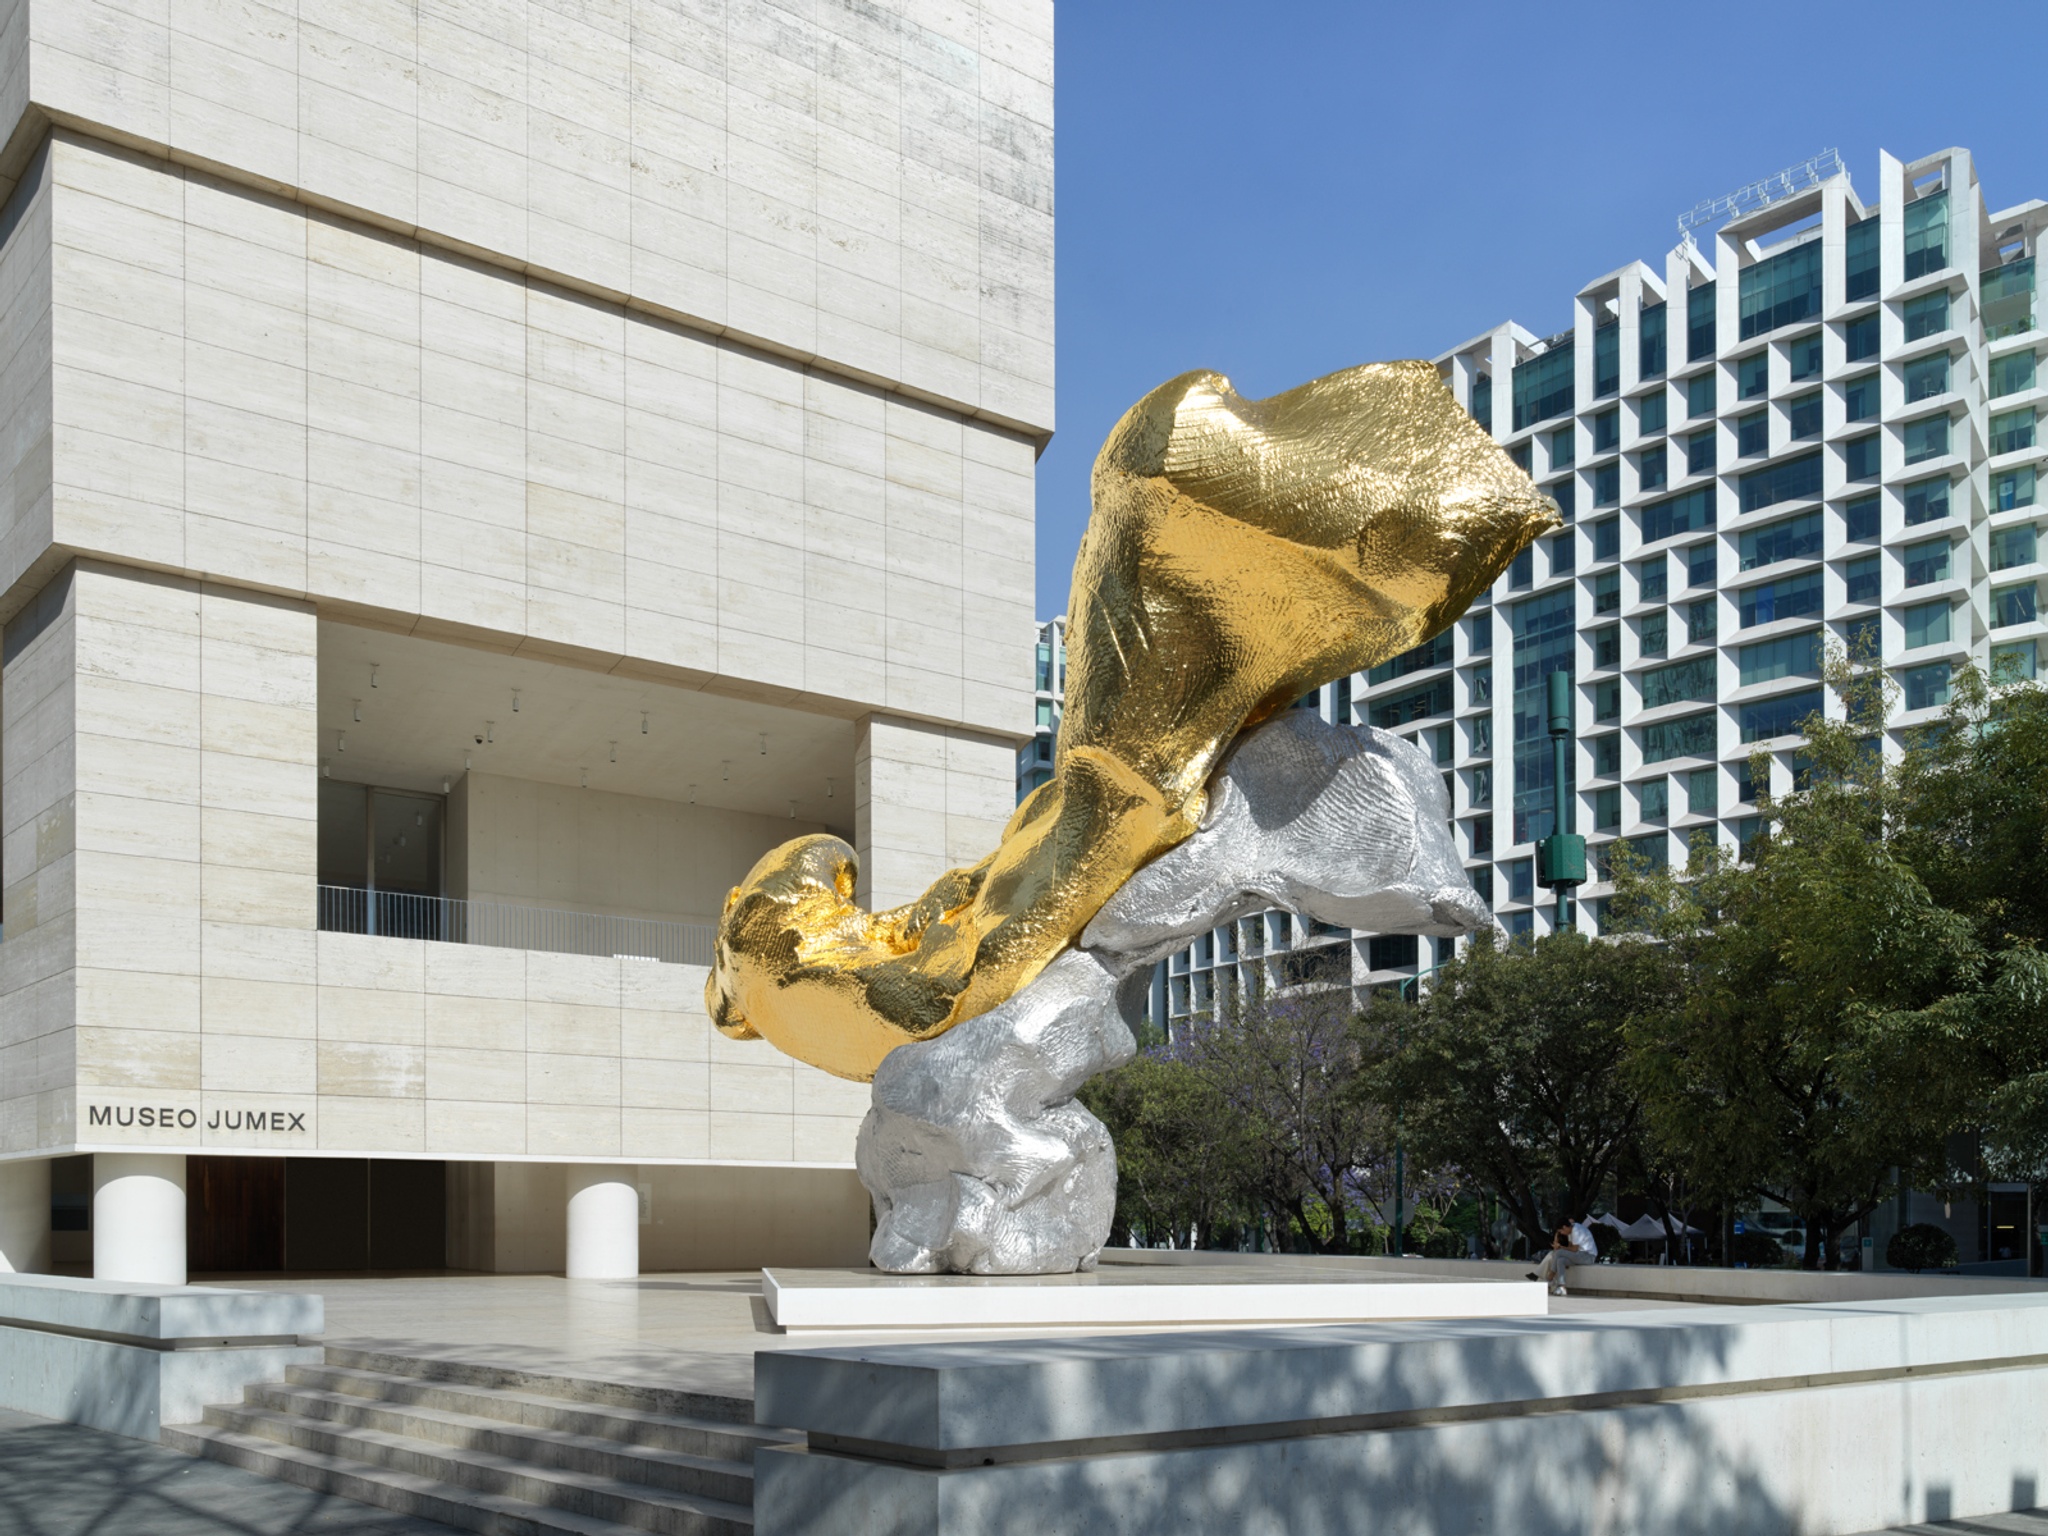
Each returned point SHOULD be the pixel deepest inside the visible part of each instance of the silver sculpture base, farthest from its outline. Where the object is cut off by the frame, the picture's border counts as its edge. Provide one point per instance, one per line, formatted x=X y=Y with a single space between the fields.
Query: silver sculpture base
x=978 y=1158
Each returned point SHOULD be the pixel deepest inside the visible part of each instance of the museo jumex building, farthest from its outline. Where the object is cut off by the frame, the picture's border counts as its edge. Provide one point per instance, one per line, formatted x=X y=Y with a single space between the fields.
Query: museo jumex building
x=477 y=474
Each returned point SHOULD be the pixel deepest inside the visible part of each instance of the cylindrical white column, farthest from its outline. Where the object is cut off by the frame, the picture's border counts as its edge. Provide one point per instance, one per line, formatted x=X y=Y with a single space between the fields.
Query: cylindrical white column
x=25 y=1217
x=604 y=1222
x=138 y=1217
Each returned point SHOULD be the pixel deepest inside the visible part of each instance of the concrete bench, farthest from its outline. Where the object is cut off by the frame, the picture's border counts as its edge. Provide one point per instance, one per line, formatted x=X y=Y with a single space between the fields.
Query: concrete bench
x=131 y=1359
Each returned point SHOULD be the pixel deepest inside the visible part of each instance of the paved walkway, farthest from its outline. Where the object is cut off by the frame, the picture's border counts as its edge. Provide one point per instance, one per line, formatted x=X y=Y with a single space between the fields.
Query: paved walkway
x=695 y=1330
x=61 y=1480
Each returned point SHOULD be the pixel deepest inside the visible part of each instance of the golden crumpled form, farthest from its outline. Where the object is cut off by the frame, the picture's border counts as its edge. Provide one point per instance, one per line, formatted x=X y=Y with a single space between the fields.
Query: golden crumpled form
x=1241 y=553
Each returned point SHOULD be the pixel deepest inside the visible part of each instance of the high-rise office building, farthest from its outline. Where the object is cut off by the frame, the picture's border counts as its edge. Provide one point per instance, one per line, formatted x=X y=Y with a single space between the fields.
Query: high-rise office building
x=1816 y=425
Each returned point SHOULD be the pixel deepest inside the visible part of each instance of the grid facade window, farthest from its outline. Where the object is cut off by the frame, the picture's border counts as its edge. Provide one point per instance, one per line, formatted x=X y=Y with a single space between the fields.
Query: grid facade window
x=1780 y=716
x=1699 y=323
x=1544 y=386
x=1780 y=290
x=1926 y=235
x=1792 y=480
x=1860 y=244
x=1926 y=501
x=2007 y=293
x=1650 y=341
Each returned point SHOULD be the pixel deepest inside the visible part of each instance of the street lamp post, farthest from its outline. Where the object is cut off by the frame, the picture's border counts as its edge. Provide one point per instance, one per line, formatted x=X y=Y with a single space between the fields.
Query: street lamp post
x=1561 y=857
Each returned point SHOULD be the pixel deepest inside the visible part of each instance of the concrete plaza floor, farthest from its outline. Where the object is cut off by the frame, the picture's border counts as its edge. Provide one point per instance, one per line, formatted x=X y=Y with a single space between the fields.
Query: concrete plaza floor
x=698 y=1331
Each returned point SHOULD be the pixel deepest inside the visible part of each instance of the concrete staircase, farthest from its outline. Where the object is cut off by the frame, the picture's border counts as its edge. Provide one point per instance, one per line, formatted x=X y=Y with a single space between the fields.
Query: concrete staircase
x=506 y=1452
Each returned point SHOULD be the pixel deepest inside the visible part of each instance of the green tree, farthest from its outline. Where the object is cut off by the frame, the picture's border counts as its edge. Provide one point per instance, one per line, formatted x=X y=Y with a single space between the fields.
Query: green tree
x=1179 y=1162
x=1815 y=1045
x=1511 y=1068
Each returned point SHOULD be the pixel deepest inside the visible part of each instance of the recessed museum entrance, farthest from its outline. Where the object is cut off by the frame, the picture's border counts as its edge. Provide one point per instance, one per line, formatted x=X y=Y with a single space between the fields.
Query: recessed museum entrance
x=254 y=1215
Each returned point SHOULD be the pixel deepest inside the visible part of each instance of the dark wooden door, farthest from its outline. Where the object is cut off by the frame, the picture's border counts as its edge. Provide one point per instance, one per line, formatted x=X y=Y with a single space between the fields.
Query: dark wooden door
x=234 y=1214
x=408 y=1214
x=327 y=1213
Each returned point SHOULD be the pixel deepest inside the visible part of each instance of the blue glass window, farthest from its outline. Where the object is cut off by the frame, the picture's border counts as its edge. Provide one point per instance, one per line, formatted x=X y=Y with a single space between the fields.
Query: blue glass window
x=1927 y=562
x=1544 y=640
x=1865 y=578
x=1859 y=398
x=1926 y=377
x=1650 y=341
x=1928 y=623
x=1780 y=290
x=1479 y=633
x=1701 y=621
x=1606 y=359
x=1789 y=656
x=1655 y=639
x=1926 y=235
x=1687 y=736
x=1699 y=453
x=1926 y=501
x=1702 y=792
x=1651 y=414
x=1482 y=400
x=1564 y=447
x=1804 y=357
x=1680 y=682
x=1565 y=493
x=1926 y=439
x=1678 y=514
x=1563 y=551
x=1699 y=395
x=2012 y=546
x=2015 y=663
x=1796 y=538
x=1607 y=592
x=1926 y=315
x=1859 y=261
x=1607 y=647
x=1607 y=701
x=1788 y=481
x=1860 y=338
x=1753 y=377
x=2009 y=606
x=1860 y=518
x=2012 y=488
x=1607 y=485
x=2012 y=430
x=1926 y=687
x=1419 y=704
x=1860 y=636
x=1522 y=571
x=1655 y=795
x=1653 y=579
x=1782 y=716
x=1862 y=457
x=1752 y=434
x=1786 y=598
x=1606 y=756
x=1699 y=323
x=1607 y=539
x=2010 y=375
x=1700 y=563
x=1543 y=386
x=1522 y=878
x=1607 y=432
x=1654 y=468
x=1433 y=652
x=1606 y=809
x=1805 y=416
x=2008 y=299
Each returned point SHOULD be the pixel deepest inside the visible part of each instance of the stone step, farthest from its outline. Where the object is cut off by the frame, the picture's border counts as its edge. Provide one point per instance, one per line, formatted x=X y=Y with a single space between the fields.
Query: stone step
x=691 y=1435
x=423 y=1498
x=500 y=1486
x=673 y=1401
x=727 y=1477
x=599 y=1496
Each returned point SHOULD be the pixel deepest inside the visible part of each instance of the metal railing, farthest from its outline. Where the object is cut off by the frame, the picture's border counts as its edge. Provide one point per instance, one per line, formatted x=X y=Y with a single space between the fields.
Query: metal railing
x=441 y=919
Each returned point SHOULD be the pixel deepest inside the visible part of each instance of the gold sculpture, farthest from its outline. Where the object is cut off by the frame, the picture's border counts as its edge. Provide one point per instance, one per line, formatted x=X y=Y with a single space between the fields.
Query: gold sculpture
x=1241 y=552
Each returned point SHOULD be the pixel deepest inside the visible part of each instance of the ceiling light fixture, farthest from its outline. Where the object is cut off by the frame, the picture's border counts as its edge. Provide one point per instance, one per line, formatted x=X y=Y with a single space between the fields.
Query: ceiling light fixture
x=373 y=674
x=725 y=764
x=828 y=788
x=465 y=762
x=792 y=810
x=586 y=776
x=341 y=741
x=643 y=722
x=490 y=732
x=515 y=701
x=693 y=794
x=326 y=770
x=444 y=786
x=764 y=746
x=615 y=751
x=359 y=711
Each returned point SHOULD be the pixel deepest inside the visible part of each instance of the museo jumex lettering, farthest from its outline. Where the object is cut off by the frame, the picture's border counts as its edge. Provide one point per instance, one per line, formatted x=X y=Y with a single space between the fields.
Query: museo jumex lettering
x=126 y=1116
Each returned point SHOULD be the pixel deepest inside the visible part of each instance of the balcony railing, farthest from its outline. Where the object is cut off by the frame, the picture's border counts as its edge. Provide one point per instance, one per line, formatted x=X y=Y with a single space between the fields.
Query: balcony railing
x=440 y=919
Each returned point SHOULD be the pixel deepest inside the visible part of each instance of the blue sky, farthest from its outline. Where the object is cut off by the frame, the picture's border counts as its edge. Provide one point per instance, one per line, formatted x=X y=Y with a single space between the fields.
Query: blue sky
x=1283 y=189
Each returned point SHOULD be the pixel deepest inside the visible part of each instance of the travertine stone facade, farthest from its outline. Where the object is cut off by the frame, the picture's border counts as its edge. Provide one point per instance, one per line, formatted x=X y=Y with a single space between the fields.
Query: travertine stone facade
x=869 y=184
x=704 y=347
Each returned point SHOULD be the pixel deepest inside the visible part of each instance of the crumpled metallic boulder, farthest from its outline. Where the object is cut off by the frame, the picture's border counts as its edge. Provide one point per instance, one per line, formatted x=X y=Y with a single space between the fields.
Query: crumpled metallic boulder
x=976 y=1154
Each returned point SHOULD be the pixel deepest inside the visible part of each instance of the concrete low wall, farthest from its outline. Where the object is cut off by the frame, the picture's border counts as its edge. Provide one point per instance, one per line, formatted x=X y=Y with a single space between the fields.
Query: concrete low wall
x=133 y=1358
x=1809 y=1418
